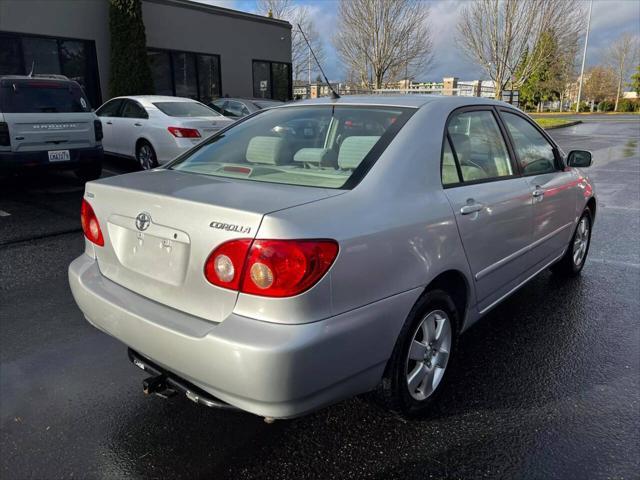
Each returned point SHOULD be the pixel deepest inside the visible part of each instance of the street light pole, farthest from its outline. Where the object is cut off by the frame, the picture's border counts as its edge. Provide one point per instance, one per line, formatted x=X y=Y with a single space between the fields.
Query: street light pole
x=584 y=57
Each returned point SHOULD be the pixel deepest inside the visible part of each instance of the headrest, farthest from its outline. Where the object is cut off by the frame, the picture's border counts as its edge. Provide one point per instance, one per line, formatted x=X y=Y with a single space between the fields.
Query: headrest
x=354 y=149
x=266 y=150
x=312 y=155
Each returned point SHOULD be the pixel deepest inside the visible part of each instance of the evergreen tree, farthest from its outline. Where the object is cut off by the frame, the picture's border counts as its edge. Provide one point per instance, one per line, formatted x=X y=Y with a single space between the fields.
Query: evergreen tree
x=130 y=73
x=635 y=81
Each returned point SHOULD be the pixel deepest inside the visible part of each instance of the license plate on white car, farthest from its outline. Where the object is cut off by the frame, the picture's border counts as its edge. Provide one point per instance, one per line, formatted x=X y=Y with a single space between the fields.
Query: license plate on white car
x=59 y=155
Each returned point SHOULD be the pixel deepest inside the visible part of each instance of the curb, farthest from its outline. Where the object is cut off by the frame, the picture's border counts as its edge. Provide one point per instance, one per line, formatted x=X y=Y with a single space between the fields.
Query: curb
x=564 y=125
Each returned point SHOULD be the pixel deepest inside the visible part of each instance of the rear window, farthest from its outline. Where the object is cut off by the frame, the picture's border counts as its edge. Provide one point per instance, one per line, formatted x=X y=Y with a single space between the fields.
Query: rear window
x=185 y=109
x=42 y=97
x=320 y=146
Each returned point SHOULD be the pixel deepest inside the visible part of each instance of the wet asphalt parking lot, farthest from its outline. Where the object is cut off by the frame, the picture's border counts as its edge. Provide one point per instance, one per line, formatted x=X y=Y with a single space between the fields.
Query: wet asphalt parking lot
x=546 y=386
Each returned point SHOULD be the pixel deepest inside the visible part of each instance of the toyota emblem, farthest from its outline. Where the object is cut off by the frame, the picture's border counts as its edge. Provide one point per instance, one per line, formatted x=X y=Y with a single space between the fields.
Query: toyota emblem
x=142 y=221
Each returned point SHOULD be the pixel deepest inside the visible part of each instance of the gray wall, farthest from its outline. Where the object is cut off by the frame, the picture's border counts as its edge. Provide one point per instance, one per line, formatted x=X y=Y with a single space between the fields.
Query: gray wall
x=237 y=37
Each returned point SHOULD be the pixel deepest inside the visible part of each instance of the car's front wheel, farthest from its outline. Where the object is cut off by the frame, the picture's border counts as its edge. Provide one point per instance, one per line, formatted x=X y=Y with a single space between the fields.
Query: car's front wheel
x=422 y=355
x=573 y=260
x=146 y=156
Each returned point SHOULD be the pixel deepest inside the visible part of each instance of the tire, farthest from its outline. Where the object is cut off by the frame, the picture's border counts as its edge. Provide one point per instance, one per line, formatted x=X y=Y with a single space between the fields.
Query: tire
x=400 y=390
x=89 y=172
x=572 y=263
x=146 y=156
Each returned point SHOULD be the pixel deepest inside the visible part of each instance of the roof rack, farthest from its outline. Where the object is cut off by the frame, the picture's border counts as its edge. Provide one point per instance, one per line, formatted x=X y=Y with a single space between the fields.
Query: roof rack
x=50 y=75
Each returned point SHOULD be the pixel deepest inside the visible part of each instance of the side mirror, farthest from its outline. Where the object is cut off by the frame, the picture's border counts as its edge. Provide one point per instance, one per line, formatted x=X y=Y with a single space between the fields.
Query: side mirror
x=579 y=158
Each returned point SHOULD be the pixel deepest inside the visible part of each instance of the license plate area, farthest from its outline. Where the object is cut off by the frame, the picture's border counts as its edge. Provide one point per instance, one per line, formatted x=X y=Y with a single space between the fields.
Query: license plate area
x=59 y=155
x=160 y=252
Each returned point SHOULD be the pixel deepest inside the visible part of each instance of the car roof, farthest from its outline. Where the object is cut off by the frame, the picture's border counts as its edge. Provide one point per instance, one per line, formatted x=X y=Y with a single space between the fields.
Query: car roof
x=147 y=100
x=246 y=99
x=411 y=101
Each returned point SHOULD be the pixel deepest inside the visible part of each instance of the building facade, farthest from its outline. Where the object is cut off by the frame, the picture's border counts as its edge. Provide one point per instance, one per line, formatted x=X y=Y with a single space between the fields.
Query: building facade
x=195 y=50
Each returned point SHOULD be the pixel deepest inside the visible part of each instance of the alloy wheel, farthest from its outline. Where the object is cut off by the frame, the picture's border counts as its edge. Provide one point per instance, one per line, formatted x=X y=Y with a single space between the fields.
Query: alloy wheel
x=145 y=157
x=581 y=241
x=428 y=354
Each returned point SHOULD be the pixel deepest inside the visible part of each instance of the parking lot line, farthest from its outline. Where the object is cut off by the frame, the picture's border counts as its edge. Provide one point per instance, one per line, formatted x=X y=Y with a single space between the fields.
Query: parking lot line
x=4 y=214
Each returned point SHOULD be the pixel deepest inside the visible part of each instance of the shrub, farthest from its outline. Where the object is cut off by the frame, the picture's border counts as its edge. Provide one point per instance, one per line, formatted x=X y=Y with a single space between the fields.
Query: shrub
x=628 y=105
x=605 y=106
x=584 y=107
x=130 y=73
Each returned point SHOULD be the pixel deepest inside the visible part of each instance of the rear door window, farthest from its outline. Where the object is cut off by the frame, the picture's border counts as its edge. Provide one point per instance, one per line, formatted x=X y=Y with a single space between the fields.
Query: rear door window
x=134 y=110
x=478 y=146
x=42 y=96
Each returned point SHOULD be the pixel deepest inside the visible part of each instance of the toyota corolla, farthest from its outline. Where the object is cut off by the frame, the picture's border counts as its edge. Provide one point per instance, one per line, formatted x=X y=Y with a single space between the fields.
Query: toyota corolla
x=324 y=249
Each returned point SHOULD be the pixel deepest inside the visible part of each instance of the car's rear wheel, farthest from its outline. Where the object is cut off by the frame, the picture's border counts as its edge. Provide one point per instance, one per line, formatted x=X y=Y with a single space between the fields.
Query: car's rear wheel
x=575 y=257
x=422 y=356
x=89 y=172
x=146 y=156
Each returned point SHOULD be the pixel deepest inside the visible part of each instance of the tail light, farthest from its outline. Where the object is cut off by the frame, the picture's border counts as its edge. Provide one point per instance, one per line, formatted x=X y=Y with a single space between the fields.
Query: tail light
x=5 y=141
x=97 y=129
x=90 y=224
x=180 y=132
x=270 y=268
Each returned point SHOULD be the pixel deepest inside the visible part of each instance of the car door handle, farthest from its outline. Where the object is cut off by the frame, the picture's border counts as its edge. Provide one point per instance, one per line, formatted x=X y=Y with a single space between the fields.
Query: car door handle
x=471 y=208
x=138 y=124
x=109 y=123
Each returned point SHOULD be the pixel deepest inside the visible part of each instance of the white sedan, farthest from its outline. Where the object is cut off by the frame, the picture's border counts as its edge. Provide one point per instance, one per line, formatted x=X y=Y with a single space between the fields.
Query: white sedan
x=155 y=129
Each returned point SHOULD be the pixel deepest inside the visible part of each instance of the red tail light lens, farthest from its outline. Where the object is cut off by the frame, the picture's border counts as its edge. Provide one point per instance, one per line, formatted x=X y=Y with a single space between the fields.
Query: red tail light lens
x=270 y=268
x=224 y=266
x=90 y=225
x=180 y=132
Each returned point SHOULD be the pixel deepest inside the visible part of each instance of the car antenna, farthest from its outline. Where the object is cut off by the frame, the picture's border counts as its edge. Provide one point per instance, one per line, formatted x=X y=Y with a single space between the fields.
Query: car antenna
x=334 y=94
x=33 y=67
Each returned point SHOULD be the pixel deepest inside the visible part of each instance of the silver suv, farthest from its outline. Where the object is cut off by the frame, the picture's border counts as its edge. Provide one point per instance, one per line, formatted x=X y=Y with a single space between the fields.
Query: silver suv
x=46 y=121
x=322 y=249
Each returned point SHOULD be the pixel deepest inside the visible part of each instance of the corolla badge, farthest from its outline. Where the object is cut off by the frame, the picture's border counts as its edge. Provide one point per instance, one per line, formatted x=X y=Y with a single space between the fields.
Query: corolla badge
x=230 y=227
x=142 y=221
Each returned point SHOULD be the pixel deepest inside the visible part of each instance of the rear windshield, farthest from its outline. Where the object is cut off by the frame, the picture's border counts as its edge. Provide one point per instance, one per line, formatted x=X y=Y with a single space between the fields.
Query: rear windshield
x=39 y=96
x=185 y=109
x=319 y=146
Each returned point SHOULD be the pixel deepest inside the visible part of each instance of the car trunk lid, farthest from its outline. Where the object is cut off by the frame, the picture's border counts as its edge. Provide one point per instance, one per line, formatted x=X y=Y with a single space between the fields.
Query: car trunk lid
x=161 y=226
x=207 y=126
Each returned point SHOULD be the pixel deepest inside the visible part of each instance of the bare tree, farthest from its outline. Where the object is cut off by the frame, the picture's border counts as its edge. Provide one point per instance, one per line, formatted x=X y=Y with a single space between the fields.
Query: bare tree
x=383 y=40
x=502 y=35
x=600 y=83
x=280 y=9
x=622 y=55
x=297 y=15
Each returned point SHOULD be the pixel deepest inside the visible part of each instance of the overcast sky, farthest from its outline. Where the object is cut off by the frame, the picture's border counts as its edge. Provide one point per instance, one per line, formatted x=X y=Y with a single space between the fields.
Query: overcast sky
x=610 y=18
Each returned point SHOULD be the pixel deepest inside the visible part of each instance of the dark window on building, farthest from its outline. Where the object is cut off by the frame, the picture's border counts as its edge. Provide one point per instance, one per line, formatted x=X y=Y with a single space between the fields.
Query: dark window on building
x=272 y=80
x=185 y=74
x=160 y=64
x=208 y=77
x=75 y=59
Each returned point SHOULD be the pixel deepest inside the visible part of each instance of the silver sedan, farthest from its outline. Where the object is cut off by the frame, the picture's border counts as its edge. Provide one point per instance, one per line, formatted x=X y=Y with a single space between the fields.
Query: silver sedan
x=319 y=250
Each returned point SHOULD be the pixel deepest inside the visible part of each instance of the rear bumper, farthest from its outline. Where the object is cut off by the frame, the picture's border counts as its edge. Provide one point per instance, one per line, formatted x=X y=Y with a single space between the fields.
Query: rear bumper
x=79 y=156
x=272 y=370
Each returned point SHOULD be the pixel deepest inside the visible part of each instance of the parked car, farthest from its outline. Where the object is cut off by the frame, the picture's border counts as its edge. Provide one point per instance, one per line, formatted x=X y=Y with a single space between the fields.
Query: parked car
x=241 y=107
x=154 y=129
x=46 y=121
x=278 y=269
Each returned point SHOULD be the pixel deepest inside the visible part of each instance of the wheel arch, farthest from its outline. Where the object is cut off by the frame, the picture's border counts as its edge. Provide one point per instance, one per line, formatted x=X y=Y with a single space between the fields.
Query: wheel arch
x=456 y=284
x=591 y=205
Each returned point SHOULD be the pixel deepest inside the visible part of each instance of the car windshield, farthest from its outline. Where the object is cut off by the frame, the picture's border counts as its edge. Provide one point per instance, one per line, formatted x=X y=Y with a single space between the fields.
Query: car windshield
x=316 y=145
x=185 y=109
x=41 y=96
